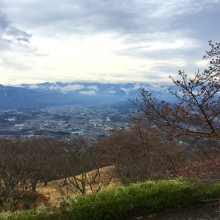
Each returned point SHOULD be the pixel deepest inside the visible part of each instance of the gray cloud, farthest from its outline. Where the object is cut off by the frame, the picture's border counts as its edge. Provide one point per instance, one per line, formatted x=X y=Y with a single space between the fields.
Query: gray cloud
x=10 y=34
x=120 y=16
x=4 y=23
x=16 y=35
x=138 y=24
x=131 y=21
x=135 y=23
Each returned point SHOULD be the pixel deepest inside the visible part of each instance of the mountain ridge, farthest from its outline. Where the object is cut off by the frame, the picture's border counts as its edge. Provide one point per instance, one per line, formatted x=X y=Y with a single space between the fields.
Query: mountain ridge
x=58 y=93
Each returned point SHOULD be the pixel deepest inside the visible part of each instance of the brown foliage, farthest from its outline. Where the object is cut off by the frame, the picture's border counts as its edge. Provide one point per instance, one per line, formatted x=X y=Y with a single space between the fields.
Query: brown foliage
x=196 y=115
x=37 y=198
x=204 y=169
x=75 y=164
x=194 y=119
x=19 y=205
x=138 y=156
x=24 y=163
x=40 y=199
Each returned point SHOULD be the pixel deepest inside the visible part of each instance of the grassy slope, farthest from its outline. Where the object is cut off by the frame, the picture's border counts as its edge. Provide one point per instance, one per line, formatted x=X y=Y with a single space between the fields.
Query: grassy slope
x=125 y=202
x=55 y=189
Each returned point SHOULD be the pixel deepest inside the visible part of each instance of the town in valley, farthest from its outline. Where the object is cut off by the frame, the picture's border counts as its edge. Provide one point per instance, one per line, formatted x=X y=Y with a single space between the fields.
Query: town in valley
x=64 y=121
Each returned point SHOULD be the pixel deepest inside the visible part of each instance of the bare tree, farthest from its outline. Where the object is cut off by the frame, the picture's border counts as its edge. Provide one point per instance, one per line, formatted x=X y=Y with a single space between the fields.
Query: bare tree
x=138 y=156
x=80 y=166
x=13 y=169
x=24 y=163
x=196 y=116
x=194 y=119
x=41 y=164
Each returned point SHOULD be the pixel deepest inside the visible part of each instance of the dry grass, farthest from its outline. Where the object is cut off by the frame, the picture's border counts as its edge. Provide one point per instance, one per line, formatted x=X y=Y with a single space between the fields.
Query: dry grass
x=57 y=189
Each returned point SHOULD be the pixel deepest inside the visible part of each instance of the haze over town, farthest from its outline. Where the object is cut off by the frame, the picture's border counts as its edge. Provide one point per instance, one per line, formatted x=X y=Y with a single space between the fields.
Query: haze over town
x=104 y=41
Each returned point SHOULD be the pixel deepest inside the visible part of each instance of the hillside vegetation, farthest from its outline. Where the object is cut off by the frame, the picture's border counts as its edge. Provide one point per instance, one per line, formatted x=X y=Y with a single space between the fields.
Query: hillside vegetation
x=168 y=159
x=126 y=202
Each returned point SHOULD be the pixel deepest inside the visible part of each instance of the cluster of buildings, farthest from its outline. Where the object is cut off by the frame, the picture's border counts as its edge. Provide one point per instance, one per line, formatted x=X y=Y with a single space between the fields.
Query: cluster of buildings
x=62 y=121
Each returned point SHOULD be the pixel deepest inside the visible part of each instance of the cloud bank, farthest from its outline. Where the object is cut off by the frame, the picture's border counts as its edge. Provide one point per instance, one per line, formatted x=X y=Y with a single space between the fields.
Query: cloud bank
x=112 y=41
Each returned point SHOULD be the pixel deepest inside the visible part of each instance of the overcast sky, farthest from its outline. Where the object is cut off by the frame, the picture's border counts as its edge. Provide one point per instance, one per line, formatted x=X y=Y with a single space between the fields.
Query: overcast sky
x=104 y=40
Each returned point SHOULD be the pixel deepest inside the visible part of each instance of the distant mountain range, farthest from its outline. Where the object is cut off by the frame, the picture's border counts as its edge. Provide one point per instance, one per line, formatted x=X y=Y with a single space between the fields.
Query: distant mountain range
x=52 y=94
